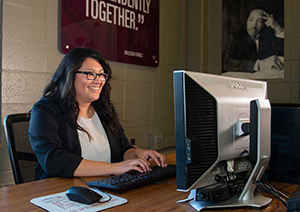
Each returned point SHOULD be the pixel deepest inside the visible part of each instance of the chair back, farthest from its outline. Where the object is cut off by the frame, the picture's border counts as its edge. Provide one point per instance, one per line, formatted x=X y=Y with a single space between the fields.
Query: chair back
x=21 y=155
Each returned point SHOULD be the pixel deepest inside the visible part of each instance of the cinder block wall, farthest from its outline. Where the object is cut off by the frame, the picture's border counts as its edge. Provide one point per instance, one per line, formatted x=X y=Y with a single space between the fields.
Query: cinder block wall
x=142 y=95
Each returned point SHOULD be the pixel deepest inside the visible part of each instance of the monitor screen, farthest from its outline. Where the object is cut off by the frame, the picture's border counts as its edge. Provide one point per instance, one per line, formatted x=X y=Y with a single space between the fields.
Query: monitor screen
x=211 y=112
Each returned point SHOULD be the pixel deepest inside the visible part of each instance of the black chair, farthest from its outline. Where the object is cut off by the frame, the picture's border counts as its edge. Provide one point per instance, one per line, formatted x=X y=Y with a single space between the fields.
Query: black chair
x=22 y=157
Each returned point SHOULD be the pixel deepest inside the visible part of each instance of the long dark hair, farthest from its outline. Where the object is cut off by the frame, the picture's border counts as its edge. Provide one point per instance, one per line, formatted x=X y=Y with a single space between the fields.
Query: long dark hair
x=62 y=87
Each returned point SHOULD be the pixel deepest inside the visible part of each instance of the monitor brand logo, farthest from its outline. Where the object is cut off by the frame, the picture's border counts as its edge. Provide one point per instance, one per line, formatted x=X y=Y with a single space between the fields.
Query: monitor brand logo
x=235 y=84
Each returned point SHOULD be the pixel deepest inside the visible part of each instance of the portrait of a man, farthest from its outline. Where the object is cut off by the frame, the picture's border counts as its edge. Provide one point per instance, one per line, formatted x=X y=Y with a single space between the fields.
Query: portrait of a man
x=255 y=47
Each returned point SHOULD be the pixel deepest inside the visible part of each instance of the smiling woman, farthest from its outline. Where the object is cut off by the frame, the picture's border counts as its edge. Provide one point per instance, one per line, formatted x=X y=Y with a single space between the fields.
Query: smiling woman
x=74 y=128
x=87 y=86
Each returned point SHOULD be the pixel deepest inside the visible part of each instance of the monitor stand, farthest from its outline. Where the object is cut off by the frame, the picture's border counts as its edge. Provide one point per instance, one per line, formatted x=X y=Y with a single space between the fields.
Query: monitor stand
x=259 y=201
x=260 y=124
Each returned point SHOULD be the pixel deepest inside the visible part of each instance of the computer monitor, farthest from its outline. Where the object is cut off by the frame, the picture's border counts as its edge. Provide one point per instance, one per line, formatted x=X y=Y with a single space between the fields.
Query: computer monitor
x=213 y=148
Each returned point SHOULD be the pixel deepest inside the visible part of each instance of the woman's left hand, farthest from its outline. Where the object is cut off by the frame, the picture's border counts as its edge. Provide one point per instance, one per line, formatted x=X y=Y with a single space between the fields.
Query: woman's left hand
x=152 y=155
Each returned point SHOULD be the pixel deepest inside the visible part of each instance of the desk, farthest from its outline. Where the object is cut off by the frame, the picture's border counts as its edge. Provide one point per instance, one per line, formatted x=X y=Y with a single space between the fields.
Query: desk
x=158 y=197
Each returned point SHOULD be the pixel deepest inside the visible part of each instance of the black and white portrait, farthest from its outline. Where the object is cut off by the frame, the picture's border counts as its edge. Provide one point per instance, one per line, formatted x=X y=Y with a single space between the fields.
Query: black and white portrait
x=253 y=38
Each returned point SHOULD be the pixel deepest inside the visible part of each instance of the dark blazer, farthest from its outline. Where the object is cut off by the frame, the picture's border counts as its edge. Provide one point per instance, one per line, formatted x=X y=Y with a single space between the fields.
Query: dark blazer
x=55 y=141
x=241 y=52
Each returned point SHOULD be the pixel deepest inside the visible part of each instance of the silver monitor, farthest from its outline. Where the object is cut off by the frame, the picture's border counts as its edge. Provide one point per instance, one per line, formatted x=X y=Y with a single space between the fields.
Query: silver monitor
x=212 y=119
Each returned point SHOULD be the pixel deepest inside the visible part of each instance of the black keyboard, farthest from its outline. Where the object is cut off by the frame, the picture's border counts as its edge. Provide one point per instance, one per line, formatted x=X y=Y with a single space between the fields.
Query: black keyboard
x=134 y=179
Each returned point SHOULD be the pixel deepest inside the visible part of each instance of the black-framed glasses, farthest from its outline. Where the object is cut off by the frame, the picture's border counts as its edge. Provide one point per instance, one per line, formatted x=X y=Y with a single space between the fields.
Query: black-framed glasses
x=93 y=75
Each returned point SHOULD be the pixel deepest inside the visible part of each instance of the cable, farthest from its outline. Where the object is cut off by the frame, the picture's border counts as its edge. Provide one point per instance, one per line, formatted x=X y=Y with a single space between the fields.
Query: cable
x=82 y=180
x=109 y=196
x=287 y=192
x=277 y=191
x=270 y=189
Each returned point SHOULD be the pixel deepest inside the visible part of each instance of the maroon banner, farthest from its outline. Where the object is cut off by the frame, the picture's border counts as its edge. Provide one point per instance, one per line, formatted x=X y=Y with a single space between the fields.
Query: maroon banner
x=121 y=30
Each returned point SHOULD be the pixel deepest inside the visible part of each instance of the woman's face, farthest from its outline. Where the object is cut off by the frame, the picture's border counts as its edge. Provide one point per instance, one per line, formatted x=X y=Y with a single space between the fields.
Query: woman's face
x=86 y=90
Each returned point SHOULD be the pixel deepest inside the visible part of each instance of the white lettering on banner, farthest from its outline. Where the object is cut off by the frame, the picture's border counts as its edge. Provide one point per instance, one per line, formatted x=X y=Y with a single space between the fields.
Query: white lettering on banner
x=133 y=54
x=113 y=14
x=141 y=5
x=94 y=11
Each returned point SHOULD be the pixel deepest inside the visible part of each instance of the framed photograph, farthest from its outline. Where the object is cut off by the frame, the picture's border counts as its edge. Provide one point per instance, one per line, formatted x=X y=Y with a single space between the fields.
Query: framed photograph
x=253 y=38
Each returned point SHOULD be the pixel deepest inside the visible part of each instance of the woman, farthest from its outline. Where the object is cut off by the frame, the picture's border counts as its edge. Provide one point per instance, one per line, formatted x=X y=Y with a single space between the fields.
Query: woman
x=74 y=129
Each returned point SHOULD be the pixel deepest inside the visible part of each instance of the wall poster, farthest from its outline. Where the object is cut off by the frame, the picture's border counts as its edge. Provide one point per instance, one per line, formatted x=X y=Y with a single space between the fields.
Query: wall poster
x=121 y=30
x=253 y=39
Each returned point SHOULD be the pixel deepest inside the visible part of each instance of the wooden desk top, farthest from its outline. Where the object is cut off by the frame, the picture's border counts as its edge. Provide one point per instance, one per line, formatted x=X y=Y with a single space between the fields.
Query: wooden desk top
x=158 y=197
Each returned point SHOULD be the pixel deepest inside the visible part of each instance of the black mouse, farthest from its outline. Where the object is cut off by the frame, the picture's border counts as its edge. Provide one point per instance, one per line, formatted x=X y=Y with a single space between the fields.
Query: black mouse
x=83 y=195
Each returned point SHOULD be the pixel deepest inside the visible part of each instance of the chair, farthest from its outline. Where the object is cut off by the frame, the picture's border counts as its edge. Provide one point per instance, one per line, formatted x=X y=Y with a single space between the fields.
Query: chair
x=22 y=157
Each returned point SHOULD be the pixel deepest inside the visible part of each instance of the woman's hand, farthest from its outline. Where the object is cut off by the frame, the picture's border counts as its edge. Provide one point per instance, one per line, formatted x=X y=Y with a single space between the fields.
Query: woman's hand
x=152 y=155
x=147 y=155
x=140 y=165
x=134 y=159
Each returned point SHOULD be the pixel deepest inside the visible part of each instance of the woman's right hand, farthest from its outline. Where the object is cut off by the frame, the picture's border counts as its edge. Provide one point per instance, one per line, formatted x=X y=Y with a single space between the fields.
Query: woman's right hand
x=139 y=165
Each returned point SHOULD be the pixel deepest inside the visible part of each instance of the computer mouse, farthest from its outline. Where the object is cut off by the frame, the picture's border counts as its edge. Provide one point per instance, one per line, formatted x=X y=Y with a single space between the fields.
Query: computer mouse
x=83 y=195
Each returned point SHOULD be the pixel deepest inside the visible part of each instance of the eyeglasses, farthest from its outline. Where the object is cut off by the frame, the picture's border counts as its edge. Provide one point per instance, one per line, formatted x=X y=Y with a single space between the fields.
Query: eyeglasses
x=93 y=75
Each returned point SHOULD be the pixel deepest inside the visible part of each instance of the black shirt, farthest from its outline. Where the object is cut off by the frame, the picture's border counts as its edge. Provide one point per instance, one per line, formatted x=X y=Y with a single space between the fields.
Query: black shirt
x=55 y=140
